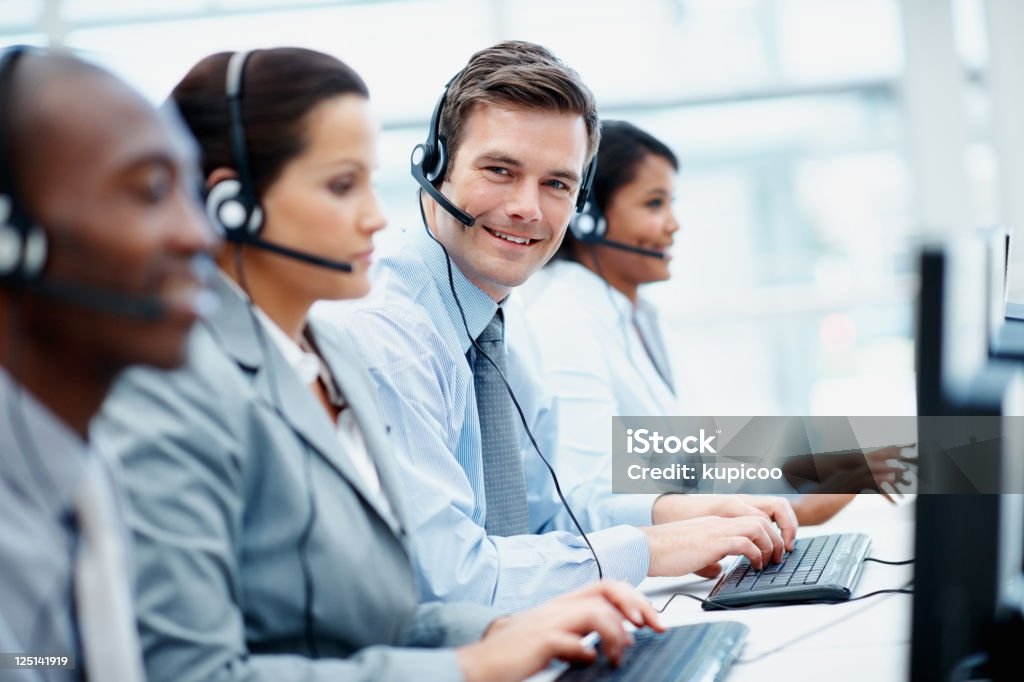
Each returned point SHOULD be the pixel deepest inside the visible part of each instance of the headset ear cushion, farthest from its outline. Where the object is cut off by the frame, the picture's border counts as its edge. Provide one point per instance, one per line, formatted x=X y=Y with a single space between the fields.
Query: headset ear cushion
x=35 y=252
x=10 y=249
x=435 y=161
x=588 y=225
x=582 y=226
x=224 y=207
x=255 y=221
x=21 y=254
x=10 y=240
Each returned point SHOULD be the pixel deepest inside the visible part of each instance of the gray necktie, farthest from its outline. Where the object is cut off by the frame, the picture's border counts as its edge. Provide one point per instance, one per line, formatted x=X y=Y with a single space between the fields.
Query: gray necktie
x=504 y=482
x=102 y=592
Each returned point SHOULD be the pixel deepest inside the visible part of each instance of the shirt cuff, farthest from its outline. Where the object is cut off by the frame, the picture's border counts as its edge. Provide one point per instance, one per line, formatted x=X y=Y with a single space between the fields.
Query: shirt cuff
x=439 y=624
x=631 y=509
x=623 y=552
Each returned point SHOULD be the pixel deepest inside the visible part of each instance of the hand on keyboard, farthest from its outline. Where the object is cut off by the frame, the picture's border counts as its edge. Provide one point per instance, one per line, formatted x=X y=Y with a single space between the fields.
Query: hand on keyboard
x=675 y=507
x=697 y=545
x=515 y=647
x=821 y=568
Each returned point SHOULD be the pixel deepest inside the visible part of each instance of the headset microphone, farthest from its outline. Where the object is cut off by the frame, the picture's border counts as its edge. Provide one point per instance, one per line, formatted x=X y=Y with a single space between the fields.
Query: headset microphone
x=107 y=301
x=590 y=227
x=295 y=254
x=429 y=161
x=232 y=204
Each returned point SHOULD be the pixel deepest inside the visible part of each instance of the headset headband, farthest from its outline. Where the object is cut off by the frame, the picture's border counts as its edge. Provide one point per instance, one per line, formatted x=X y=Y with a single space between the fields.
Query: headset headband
x=17 y=216
x=233 y=90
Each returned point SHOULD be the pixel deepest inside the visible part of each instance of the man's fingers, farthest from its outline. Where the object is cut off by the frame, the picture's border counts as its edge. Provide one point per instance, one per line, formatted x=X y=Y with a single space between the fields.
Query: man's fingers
x=759 y=536
x=785 y=519
x=739 y=544
x=600 y=616
x=568 y=646
x=766 y=536
x=709 y=571
x=778 y=544
x=633 y=605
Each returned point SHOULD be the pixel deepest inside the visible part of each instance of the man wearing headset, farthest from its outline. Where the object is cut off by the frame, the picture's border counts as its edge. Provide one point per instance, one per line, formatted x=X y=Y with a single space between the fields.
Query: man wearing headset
x=99 y=237
x=502 y=172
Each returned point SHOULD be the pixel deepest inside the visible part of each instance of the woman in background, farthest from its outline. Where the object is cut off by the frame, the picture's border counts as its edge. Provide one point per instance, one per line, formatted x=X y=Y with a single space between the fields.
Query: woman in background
x=601 y=345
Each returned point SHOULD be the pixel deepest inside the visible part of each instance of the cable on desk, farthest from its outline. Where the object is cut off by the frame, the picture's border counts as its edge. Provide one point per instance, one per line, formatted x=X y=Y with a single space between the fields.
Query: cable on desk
x=889 y=563
x=899 y=590
x=785 y=645
x=701 y=600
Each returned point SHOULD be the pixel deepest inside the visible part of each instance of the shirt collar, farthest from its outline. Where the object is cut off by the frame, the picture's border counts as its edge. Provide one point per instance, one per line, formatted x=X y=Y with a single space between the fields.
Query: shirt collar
x=305 y=363
x=478 y=305
x=596 y=286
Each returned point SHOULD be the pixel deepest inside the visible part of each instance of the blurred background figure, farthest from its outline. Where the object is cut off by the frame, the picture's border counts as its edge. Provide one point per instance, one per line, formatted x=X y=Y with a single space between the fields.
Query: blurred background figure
x=603 y=348
x=100 y=237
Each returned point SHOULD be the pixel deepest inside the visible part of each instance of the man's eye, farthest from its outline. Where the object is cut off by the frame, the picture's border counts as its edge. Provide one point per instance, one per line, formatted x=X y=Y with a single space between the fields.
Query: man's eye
x=155 y=189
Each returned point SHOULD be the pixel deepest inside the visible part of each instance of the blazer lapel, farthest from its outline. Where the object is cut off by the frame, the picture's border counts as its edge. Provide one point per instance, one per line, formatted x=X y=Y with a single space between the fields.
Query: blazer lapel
x=241 y=335
x=357 y=387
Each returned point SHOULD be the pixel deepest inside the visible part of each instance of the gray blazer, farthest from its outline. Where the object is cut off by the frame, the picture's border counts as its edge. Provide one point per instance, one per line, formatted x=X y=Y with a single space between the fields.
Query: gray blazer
x=260 y=553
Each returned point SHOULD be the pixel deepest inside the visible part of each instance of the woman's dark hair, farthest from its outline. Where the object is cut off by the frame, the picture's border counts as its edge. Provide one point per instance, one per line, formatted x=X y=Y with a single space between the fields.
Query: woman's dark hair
x=623 y=148
x=280 y=87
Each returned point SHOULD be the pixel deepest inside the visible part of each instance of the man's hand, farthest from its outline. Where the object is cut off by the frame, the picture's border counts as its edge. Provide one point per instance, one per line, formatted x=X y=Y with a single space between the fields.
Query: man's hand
x=697 y=545
x=515 y=647
x=675 y=507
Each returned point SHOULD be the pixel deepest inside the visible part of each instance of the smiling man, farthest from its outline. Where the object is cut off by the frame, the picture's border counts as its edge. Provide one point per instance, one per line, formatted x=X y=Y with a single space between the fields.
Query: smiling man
x=512 y=142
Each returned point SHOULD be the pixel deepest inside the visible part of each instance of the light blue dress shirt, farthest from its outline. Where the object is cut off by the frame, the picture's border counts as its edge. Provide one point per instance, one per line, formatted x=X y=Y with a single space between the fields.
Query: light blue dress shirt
x=411 y=336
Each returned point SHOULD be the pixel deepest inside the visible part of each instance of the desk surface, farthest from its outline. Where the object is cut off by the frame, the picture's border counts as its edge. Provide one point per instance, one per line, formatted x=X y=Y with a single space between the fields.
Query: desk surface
x=868 y=639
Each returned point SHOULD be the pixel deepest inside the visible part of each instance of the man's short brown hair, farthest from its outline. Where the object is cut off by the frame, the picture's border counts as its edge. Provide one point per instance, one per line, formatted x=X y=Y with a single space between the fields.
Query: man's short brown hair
x=517 y=74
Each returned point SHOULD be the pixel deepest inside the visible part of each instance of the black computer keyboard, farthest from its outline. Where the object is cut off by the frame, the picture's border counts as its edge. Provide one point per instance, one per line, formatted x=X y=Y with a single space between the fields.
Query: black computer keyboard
x=701 y=652
x=823 y=568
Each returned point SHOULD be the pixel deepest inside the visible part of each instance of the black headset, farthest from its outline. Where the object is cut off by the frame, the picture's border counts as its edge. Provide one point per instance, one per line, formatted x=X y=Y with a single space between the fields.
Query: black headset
x=429 y=162
x=589 y=226
x=232 y=204
x=23 y=243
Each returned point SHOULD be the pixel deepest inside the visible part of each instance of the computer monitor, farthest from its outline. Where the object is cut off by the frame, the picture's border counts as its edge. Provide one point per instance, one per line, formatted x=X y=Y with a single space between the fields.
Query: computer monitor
x=1006 y=329
x=969 y=531
x=952 y=344
x=996 y=242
